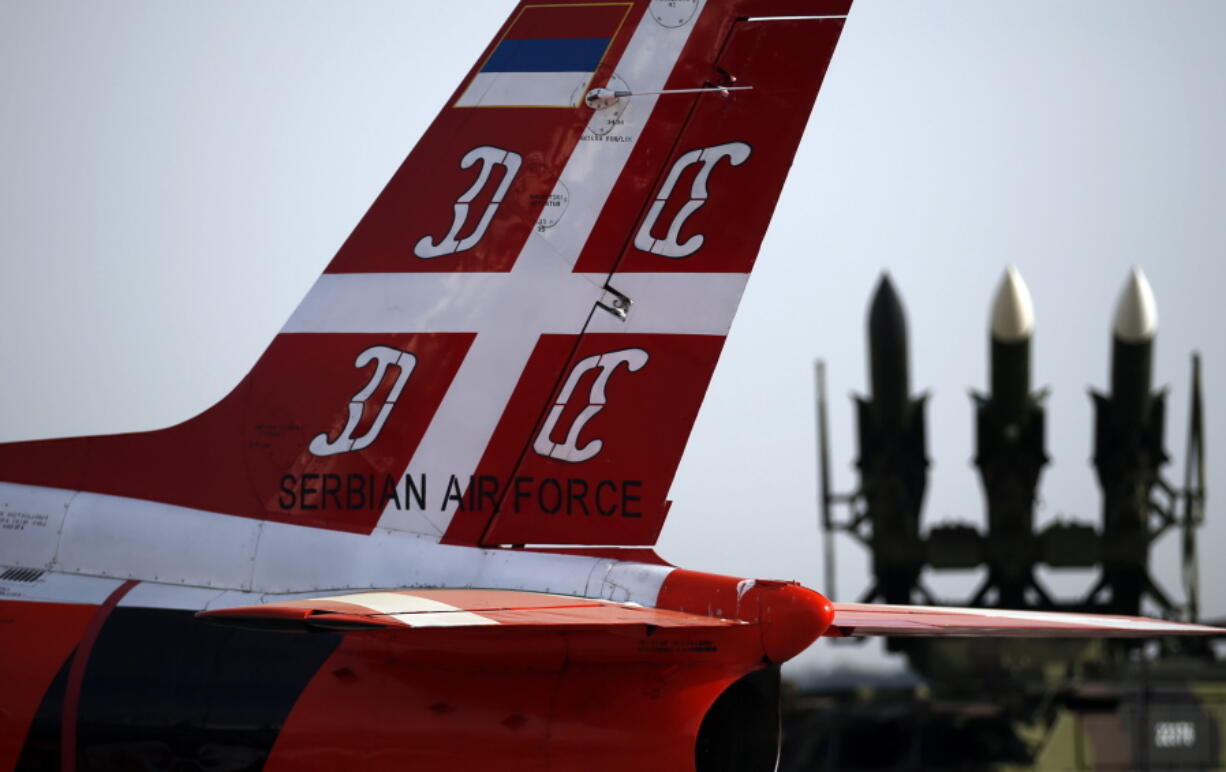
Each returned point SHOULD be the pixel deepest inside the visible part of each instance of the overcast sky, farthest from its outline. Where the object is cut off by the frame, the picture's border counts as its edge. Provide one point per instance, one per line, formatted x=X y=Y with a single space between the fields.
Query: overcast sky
x=173 y=177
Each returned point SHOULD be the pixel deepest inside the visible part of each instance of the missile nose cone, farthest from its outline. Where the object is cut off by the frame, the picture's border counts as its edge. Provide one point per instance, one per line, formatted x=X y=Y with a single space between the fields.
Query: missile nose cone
x=1012 y=311
x=887 y=354
x=887 y=322
x=1136 y=313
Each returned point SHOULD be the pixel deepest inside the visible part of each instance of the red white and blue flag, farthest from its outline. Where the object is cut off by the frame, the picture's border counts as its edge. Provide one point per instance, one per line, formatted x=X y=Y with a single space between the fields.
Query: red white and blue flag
x=547 y=57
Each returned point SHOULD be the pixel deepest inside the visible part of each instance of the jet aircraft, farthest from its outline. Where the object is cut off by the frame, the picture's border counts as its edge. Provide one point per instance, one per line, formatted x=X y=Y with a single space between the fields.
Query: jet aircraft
x=419 y=533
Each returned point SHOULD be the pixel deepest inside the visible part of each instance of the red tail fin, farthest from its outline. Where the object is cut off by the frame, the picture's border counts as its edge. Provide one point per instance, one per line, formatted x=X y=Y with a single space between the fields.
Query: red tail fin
x=512 y=345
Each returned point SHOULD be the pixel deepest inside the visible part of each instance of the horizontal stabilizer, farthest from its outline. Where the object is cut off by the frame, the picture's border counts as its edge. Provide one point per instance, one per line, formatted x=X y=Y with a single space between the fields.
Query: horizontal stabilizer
x=453 y=608
x=854 y=619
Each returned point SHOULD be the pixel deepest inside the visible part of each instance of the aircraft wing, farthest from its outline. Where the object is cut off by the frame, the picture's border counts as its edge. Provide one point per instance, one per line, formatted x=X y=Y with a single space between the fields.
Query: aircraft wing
x=454 y=608
x=861 y=619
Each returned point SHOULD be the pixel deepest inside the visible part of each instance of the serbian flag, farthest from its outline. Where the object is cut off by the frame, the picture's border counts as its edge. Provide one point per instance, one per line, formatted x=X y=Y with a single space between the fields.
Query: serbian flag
x=547 y=57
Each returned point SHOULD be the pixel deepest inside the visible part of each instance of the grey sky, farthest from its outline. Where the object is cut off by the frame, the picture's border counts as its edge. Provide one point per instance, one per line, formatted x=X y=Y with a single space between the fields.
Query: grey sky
x=174 y=176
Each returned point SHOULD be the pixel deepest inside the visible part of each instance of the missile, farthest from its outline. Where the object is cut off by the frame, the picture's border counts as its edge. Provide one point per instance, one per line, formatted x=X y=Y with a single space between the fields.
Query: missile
x=887 y=353
x=893 y=463
x=1128 y=448
x=1010 y=453
x=1012 y=327
x=1132 y=355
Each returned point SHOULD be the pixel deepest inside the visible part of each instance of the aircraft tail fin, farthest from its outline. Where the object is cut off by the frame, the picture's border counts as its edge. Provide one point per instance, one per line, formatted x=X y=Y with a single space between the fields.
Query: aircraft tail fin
x=514 y=342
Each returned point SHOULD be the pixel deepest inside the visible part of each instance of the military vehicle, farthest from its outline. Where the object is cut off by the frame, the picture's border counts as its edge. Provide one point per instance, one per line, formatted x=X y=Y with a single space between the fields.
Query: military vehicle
x=1012 y=704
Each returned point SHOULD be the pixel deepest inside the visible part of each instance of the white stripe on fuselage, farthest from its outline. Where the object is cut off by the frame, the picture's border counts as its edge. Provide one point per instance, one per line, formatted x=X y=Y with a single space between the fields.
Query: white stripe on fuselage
x=118 y=538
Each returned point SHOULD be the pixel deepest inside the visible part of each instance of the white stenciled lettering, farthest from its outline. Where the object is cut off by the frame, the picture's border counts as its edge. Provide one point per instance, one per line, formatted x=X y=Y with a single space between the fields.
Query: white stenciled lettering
x=489 y=157
x=669 y=246
x=1174 y=734
x=384 y=357
x=569 y=449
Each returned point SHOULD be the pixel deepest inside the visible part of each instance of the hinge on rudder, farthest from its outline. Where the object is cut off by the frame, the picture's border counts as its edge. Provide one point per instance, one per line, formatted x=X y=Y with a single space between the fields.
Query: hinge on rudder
x=615 y=303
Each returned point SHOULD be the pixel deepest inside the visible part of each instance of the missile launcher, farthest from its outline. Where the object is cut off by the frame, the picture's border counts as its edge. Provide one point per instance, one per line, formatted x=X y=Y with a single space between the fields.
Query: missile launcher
x=1055 y=704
